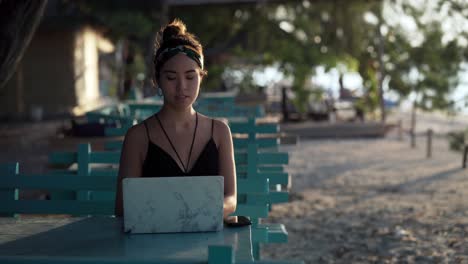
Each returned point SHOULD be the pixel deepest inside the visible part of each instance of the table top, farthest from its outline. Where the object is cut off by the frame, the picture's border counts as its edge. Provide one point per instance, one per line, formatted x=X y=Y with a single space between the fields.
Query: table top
x=101 y=239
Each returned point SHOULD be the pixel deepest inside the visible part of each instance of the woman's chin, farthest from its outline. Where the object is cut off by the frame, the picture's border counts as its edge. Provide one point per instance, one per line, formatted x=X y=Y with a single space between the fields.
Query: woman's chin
x=185 y=102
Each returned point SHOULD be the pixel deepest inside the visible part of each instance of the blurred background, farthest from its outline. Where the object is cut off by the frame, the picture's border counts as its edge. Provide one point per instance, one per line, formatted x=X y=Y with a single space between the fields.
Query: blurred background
x=317 y=60
x=375 y=91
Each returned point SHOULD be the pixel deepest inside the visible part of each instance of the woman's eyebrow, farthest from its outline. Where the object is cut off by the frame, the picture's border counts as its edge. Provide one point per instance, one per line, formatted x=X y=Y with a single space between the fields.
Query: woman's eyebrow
x=171 y=71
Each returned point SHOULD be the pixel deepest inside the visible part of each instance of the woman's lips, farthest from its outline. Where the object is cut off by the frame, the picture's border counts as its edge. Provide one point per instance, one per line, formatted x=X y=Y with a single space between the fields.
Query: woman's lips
x=181 y=97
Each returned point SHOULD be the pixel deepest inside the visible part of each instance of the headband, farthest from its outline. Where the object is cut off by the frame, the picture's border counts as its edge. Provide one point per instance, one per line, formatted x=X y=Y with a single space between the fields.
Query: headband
x=190 y=52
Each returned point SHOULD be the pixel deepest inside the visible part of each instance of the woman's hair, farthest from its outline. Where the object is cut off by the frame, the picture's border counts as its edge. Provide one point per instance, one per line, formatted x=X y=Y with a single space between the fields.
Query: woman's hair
x=174 y=35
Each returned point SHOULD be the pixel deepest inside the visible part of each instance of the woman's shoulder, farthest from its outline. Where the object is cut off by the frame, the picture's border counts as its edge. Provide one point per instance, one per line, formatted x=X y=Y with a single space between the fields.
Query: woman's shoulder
x=221 y=131
x=136 y=133
x=220 y=125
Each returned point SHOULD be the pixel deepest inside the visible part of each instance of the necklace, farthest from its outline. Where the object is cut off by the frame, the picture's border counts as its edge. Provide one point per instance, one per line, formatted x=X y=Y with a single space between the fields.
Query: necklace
x=172 y=145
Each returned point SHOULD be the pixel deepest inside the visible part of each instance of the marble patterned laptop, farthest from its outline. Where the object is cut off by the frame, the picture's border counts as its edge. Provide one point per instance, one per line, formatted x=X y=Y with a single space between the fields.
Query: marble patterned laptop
x=173 y=204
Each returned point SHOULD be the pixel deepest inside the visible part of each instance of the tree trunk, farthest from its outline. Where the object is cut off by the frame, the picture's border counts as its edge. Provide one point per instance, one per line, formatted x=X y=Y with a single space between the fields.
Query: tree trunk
x=284 y=104
x=381 y=67
x=413 y=125
x=18 y=22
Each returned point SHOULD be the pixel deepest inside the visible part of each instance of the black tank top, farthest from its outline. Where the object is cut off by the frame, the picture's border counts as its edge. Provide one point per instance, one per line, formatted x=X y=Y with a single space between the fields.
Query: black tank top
x=158 y=163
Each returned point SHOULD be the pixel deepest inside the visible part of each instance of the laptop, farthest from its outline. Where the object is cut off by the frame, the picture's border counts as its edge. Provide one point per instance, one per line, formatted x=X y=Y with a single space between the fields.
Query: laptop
x=173 y=204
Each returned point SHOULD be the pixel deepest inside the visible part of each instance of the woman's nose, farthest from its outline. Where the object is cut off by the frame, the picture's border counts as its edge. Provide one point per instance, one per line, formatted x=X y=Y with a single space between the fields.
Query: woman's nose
x=181 y=84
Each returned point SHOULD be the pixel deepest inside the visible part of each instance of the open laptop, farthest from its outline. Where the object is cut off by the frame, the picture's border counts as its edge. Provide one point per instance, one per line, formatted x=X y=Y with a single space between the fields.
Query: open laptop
x=173 y=204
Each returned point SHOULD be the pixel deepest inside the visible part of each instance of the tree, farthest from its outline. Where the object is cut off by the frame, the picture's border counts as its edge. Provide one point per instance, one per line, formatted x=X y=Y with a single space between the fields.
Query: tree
x=428 y=69
x=18 y=22
x=298 y=36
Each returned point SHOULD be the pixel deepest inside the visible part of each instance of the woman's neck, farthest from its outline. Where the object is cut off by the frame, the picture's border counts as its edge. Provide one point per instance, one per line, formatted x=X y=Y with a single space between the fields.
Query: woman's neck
x=178 y=119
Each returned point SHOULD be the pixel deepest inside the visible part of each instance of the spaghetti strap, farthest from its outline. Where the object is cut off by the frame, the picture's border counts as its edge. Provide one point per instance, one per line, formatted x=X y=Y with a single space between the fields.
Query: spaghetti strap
x=147 y=131
x=172 y=145
x=212 y=126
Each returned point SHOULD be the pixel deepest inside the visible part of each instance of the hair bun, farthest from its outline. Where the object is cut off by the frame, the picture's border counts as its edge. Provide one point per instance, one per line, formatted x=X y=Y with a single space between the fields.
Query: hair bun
x=175 y=28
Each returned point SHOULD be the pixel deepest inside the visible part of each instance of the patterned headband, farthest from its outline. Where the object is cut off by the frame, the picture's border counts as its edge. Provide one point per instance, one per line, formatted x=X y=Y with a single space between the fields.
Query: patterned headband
x=190 y=52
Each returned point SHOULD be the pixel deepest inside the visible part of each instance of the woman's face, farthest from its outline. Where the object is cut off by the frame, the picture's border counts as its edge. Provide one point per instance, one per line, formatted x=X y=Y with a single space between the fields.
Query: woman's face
x=180 y=80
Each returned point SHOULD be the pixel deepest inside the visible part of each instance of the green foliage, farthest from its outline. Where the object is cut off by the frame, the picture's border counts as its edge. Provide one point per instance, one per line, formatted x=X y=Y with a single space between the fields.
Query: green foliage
x=301 y=35
x=121 y=19
x=456 y=141
x=214 y=78
x=437 y=66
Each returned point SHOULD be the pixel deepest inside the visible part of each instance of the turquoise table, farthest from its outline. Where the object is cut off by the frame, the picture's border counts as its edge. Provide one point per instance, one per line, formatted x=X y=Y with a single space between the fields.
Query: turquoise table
x=100 y=240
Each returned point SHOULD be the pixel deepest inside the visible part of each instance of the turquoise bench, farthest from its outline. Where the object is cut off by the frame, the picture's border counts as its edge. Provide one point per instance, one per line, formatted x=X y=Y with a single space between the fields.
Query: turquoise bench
x=265 y=137
x=12 y=181
x=250 y=149
x=105 y=163
x=254 y=194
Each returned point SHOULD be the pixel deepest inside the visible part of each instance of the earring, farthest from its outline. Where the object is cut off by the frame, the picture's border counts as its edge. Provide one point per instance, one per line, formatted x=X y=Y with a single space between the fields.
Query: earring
x=159 y=91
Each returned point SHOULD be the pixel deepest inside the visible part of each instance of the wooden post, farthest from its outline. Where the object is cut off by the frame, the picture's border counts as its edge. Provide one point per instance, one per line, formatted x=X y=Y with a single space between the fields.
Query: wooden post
x=465 y=152
x=413 y=125
x=429 y=143
x=400 y=130
x=284 y=104
x=413 y=139
x=84 y=168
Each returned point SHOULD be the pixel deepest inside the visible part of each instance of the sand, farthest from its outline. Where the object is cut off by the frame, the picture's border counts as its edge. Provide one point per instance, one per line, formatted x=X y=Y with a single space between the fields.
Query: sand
x=374 y=201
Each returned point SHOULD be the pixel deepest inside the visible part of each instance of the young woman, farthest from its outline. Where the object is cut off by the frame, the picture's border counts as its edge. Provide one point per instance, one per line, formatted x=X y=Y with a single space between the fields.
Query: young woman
x=178 y=141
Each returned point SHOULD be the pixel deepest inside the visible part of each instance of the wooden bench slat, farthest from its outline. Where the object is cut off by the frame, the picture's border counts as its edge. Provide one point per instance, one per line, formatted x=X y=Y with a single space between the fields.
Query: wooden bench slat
x=259 y=234
x=258 y=211
x=257 y=185
x=116 y=131
x=276 y=197
x=104 y=172
x=273 y=158
x=277 y=158
x=63 y=157
x=271 y=168
x=272 y=197
x=277 y=177
x=242 y=143
x=113 y=145
x=276 y=233
x=242 y=128
x=105 y=157
x=242 y=168
x=58 y=182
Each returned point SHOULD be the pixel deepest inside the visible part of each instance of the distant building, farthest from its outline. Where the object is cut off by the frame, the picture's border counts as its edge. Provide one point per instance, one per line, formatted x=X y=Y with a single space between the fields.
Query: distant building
x=59 y=72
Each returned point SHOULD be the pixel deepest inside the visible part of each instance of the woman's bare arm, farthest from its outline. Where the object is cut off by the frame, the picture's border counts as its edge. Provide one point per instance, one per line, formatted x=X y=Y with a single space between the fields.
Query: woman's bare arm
x=227 y=167
x=131 y=162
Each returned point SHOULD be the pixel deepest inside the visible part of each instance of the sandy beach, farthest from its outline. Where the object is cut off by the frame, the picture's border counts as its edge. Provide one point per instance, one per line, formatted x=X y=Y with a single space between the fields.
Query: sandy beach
x=375 y=201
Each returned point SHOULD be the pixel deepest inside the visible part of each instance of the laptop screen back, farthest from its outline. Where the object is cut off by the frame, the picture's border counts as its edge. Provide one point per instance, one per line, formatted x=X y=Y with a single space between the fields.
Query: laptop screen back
x=173 y=204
